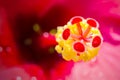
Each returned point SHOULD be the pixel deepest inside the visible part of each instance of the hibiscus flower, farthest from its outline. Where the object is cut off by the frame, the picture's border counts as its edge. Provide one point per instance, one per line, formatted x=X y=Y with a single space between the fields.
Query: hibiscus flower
x=27 y=55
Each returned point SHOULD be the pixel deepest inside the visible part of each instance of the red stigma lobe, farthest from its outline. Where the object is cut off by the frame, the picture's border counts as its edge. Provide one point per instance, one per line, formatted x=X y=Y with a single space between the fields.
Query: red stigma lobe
x=76 y=20
x=79 y=47
x=96 y=41
x=66 y=34
x=92 y=23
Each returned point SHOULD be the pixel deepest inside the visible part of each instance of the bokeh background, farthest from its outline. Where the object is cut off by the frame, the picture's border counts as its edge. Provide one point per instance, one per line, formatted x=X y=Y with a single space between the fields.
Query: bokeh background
x=27 y=44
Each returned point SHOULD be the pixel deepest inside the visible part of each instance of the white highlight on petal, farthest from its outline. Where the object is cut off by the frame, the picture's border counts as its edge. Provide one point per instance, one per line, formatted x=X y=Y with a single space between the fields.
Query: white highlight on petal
x=45 y=34
x=18 y=78
x=33 y=78
x=8 y=49
x=93 y=60
x=114 y=35
x=1 y=49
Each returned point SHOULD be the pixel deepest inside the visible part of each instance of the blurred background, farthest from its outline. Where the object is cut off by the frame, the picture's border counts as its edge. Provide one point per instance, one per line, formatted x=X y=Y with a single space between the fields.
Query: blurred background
x=27 y=41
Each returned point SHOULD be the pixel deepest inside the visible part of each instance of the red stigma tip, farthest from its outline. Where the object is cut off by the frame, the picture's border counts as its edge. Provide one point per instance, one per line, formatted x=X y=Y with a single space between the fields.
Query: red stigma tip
x=76 y=20
x=92 y=23
x=96 y=41
x=66 y=34
x=78 y=46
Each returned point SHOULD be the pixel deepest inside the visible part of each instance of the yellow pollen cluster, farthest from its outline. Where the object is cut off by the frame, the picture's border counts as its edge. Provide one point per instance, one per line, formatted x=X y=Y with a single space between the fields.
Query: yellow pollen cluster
x=79 y=40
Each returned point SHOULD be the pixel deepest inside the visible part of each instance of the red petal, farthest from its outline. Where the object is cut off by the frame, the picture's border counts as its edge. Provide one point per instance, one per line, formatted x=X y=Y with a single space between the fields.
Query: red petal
x=76 y=20
x=92 y=22
x=66 y=34
x=96 y=41
x=78 y=46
